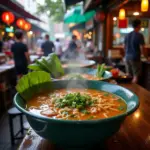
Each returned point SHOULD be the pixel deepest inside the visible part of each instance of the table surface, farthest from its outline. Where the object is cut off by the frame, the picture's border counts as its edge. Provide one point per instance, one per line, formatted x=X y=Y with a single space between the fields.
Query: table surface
x=134 y=133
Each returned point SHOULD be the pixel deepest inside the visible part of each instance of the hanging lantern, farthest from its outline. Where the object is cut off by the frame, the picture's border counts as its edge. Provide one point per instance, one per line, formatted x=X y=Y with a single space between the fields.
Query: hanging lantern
x=27 y=26
x=122 y=14
x=8 y=17
x=20 y=23
x=100 y=16
x=144 y=5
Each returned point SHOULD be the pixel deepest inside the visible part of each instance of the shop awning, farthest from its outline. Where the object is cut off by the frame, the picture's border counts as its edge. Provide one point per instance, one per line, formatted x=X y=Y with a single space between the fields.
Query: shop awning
x=17 y=10
x=75 y=15
x=106 y=4
x=36 y=28
x=71 y=2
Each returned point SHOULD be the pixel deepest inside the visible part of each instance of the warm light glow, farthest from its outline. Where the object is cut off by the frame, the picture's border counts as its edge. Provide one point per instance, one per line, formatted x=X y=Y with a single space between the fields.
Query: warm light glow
x=11 y=27
x=114 y=18
x=136 y=13
x=8 y=17
x=117 y=35
x=122 y=14
x=136 y=115
x=11 y=34
x=30 y=32
x=90 y=33
x=3 y=33
x=142 y=29
x=27 y=26
x=20 y=22
x=71 y=25
x=144 y=5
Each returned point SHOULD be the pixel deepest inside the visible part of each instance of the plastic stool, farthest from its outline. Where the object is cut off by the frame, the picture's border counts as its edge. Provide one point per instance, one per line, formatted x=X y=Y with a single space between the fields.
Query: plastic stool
x=13 y=113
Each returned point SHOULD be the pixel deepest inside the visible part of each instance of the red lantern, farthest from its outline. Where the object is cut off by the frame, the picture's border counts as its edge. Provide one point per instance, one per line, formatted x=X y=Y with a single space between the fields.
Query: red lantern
x=20 y=23
x=27 y=26
x=100 y=16
x=8 y=17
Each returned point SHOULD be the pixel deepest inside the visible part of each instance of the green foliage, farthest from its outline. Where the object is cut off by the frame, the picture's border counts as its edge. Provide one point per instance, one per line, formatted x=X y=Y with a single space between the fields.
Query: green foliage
x=55 y=7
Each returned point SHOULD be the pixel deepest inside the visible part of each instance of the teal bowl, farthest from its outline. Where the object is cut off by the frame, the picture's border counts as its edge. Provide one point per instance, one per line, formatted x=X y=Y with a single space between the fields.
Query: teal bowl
x=77 y=134
x=107 y=75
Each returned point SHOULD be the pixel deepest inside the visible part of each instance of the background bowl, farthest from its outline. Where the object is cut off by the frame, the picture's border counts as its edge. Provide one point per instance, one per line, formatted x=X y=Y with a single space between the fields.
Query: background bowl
x=79 y=63
x=77 y=134
x=107 y=75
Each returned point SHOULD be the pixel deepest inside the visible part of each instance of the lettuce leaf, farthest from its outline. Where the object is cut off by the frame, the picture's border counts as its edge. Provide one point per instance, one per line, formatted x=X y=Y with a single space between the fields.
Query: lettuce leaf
x=33 y=83
x=55 y=65
x=50 y=64
x=34 y=67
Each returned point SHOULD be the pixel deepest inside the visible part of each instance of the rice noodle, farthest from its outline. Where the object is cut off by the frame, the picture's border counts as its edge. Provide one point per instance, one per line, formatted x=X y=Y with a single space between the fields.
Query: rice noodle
x=101 y=104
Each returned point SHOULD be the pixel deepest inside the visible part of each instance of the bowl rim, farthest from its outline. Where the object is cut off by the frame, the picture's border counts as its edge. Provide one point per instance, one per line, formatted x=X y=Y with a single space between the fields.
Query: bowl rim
x=81 y=121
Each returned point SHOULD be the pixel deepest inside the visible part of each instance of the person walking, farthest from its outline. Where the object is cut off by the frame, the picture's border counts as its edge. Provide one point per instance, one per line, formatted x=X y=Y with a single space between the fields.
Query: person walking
x=47 y=46
x=134 y=45
x=72 y=51
x=20 y=54
x=39 y=43
x=58 y=48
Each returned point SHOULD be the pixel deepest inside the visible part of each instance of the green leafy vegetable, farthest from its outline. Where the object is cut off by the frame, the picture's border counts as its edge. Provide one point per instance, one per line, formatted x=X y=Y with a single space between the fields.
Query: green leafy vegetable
x=50 y=64
x=84 y=111
x=90 y=118
x=72 y=115
x=121 y=108
x=100 y=70
x=32 y=83
x=106 y=94
x=35 y=67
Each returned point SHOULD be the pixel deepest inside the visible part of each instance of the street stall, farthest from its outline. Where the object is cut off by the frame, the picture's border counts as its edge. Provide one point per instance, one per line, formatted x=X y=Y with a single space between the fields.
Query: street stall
x=115 y=28
x=12 y=17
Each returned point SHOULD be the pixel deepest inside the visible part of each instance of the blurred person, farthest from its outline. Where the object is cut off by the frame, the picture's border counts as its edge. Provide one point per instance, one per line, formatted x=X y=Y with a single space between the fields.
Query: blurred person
x=10 y=42
x=5 y=44
x=48 y=46
x=134 y=45
x=20 y=54
x=58 y=48
x=90 y=46
x=72 y=51
x=39 y=42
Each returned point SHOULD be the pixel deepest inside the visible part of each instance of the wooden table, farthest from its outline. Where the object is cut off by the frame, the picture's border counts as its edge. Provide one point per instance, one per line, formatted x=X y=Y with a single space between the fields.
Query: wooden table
x=134 y=133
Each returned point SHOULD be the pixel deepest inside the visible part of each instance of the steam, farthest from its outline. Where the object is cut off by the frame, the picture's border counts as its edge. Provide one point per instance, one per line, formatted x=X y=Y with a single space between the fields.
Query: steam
x=79 y=84
x=77 y=59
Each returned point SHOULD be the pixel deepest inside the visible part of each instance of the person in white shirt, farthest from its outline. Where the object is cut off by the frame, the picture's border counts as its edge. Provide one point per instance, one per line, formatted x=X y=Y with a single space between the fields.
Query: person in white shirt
x=58 y=48
x=39 y=43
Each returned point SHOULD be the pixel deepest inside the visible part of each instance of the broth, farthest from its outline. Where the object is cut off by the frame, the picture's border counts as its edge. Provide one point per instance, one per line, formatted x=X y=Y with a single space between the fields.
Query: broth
x=77 y=104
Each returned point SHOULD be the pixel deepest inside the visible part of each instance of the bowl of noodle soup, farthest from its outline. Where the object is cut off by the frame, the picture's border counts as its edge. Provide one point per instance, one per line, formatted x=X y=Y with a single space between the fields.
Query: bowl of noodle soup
x=78 y=113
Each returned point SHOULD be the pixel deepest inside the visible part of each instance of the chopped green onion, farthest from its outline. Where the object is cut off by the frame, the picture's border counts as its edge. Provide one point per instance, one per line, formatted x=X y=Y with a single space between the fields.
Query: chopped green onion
x=121 y=108
x=90 y=118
